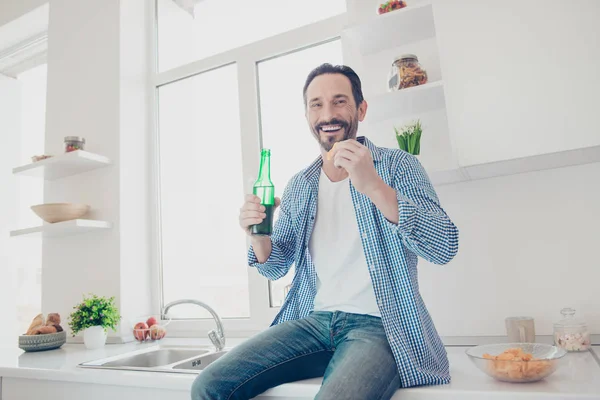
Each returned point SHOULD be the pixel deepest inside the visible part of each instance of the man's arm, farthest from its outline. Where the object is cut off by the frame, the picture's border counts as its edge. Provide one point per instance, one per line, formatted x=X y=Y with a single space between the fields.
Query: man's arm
x=410 y=205
x=412 y=208
x=262 y=248
x=384 y=198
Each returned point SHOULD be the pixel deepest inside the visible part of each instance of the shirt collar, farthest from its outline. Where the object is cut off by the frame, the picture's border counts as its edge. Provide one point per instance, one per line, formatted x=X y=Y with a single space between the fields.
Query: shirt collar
x=312 y=172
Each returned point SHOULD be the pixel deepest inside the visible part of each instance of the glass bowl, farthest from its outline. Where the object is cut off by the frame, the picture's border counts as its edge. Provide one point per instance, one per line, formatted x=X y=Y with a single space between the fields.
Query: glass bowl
x=145 y=330
x=517 y=362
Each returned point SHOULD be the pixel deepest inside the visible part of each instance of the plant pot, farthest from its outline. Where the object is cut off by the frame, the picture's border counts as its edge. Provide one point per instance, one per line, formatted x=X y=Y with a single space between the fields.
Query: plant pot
x=94 y=337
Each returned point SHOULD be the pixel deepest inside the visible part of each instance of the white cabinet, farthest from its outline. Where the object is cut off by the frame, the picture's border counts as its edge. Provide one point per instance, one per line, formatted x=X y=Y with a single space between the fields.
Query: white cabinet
x=513 y=86
x=521 y=77
x=20 y=389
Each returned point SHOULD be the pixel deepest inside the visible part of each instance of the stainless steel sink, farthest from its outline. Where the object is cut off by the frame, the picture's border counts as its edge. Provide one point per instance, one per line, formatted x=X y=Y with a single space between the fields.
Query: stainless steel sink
x=176 y=359
x=155 y=358
x=199 y=363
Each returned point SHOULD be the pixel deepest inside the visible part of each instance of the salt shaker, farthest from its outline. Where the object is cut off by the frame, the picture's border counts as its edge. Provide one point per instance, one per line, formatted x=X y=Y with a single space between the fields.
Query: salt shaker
x=571 y=333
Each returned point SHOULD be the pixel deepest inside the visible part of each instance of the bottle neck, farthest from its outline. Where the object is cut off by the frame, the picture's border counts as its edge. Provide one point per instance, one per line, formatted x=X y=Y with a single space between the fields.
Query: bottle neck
x=264 y=175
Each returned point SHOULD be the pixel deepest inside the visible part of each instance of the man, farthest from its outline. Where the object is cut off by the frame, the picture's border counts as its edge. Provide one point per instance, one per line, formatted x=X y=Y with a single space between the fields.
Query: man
x=353 y=223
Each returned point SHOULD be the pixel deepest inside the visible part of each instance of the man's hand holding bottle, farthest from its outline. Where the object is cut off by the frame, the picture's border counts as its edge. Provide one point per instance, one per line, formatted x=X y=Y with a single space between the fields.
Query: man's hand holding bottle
x=253 y=213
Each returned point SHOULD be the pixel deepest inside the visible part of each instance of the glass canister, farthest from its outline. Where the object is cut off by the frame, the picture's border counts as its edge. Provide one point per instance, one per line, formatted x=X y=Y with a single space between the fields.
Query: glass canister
x=391 y=5
x=571 y=333
x=406 y=71
x=73 y=143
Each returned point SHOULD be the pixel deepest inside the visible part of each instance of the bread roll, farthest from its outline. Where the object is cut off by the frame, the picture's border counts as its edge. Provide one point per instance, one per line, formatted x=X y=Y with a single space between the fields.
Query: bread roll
x=46 y=329
x=53 y=319
x=37 y=322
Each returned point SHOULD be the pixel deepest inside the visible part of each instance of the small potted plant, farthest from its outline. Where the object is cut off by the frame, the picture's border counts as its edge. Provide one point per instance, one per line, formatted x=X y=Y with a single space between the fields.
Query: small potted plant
x=409 y=138
x=94 y=315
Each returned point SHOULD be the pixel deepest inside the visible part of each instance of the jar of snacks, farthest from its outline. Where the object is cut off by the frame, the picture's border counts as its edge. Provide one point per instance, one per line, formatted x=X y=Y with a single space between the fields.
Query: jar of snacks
x=73 y=143
x=406 y=72
x=571 y=333
x=390 y=5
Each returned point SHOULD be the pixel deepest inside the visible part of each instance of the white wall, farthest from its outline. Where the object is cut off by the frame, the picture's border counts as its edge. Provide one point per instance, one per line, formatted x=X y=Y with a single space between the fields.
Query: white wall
x=97 y=85
x=134 y=145
x=13 y=9
x=528 y=246
x=83 y=99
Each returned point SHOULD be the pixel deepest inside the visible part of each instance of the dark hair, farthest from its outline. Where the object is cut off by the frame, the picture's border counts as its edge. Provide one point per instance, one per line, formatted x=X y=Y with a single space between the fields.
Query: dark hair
x=337 y=69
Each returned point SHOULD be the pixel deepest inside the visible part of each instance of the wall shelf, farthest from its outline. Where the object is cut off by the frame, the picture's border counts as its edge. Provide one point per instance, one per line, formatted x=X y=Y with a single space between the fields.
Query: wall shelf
x=67 y=228
x=64 y=165
x=397 y=28
x=406 y=102
x=567 y=158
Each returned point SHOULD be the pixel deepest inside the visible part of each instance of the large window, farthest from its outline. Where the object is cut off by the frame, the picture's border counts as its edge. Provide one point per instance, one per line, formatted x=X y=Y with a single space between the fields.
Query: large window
x=218 y=26
x=214 y=113
x=201 y=187
x=283 y=124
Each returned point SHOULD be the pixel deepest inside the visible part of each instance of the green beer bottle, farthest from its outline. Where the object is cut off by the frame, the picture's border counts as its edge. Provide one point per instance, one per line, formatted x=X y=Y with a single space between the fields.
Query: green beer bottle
x=264 y=189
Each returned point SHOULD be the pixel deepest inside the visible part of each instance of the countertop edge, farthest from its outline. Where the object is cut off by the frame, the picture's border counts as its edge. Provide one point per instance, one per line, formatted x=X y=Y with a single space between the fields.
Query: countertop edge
x=307 y=388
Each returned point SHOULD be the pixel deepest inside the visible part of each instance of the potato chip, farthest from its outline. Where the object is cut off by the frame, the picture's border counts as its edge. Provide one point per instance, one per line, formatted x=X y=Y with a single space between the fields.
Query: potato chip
x=515 y=364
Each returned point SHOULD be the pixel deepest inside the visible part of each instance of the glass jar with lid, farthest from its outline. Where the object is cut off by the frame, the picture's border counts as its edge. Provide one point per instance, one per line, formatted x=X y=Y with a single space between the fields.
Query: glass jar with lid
x=73 y=143
x=571 y=333
x=406 y=71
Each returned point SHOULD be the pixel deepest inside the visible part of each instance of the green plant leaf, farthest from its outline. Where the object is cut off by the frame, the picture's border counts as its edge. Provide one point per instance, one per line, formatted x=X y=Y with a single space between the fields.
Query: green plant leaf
x=409 y=137
x=401 y=142
x=94 y=311
x=417 y=148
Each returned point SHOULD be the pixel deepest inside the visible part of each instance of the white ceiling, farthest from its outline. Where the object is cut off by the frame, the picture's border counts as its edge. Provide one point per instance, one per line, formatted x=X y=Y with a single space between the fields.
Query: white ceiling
x=23 y=41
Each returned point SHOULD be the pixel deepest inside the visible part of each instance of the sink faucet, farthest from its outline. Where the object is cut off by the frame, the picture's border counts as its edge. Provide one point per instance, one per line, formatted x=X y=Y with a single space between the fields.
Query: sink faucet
x=217 y=338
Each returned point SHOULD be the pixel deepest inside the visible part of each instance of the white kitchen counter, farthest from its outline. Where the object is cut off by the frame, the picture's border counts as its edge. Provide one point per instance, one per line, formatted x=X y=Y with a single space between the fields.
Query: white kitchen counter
x=578 y=378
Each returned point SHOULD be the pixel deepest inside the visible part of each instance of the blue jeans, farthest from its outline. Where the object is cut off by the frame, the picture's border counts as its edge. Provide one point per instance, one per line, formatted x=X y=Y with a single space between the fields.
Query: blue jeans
x=350 y=351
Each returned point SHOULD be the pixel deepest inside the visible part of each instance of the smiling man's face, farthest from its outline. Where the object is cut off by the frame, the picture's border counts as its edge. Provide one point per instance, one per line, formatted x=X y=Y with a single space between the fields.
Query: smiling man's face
x=331 y=111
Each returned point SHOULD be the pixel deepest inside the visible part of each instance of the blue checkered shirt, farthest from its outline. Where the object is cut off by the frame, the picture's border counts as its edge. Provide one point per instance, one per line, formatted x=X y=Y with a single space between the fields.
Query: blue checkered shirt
x=391 y=252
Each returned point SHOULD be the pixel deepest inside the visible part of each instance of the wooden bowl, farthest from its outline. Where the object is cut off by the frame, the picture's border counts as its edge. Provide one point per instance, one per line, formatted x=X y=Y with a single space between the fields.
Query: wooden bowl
x=59 y=212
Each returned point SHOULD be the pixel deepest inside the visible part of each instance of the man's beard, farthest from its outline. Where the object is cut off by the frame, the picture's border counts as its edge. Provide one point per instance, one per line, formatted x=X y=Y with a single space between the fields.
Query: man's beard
x=350 y=129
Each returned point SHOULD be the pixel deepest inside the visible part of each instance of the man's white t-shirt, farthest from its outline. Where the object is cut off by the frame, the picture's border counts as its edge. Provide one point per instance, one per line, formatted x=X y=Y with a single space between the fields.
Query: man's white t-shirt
x=343 y=280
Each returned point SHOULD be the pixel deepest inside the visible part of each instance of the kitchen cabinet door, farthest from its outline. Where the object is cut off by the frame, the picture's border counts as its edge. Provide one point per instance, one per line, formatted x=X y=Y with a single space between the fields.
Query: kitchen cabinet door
x=521 y=77
x=19 y=389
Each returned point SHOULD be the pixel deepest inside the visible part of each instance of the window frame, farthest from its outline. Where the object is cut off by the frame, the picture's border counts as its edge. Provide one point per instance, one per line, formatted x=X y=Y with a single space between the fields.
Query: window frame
x=246 y=58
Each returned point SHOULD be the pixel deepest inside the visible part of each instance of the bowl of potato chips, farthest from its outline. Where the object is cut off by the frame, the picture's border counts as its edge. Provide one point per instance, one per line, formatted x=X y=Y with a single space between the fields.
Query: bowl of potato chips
x=517 y=362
